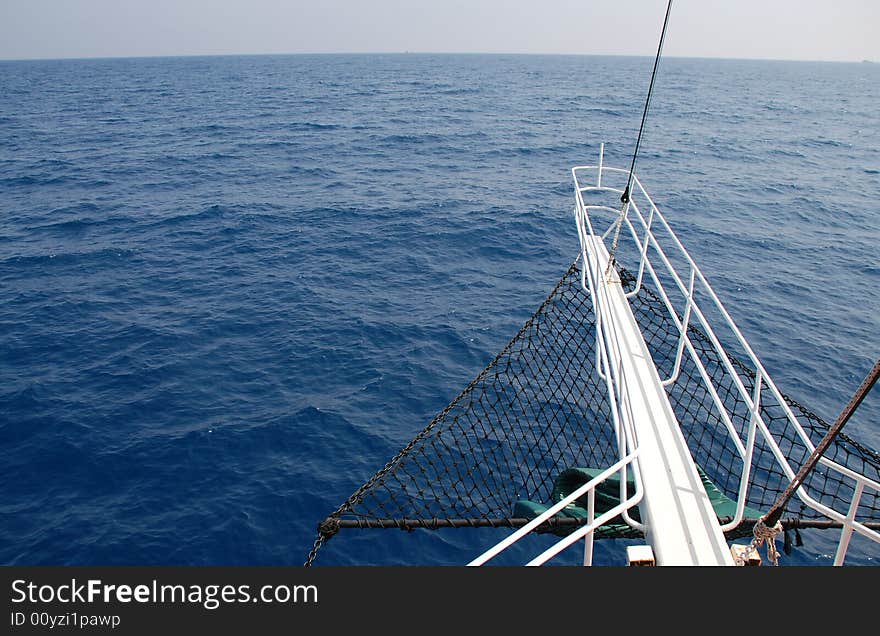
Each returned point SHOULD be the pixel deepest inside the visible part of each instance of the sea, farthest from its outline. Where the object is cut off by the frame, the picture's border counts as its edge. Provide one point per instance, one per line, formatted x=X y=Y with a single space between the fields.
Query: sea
x=232 y=288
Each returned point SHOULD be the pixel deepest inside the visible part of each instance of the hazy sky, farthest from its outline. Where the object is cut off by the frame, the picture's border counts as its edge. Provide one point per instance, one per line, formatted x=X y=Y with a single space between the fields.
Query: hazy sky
x=847 y=30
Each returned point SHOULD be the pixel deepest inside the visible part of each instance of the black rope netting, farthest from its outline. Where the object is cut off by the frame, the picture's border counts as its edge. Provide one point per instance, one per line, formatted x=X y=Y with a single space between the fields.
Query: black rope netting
x=540 y=407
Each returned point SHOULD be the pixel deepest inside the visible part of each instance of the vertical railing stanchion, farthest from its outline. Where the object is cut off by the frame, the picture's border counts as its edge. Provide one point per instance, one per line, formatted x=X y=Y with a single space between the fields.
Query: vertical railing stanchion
x=750 y=452
x=676 y=369
x=591 y=517
x=644 y=257
x=846 y=532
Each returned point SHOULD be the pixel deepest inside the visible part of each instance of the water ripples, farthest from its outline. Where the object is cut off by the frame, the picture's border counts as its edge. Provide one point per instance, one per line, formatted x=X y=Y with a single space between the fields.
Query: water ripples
x=232 y=288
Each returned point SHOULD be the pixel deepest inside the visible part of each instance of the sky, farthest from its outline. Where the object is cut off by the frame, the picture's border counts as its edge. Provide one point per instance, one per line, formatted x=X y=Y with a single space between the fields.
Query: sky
x=832 y=30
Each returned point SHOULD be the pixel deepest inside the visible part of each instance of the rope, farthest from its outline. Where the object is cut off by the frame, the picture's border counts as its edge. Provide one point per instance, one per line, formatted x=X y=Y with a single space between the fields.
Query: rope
x=776 y=511
x=567 y=523
x=768 y=526
x=767 y=534
x=625 y=197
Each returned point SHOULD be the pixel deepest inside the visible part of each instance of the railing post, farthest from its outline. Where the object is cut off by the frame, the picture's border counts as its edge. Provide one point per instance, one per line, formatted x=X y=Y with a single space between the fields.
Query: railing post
x=676 y=369
x=749 y=454
x=644 y=257
x=846 y=532
x=591 y=516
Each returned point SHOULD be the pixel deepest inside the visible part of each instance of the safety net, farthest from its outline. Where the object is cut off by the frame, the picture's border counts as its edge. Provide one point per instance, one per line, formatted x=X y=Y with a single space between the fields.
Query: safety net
x=540 y=409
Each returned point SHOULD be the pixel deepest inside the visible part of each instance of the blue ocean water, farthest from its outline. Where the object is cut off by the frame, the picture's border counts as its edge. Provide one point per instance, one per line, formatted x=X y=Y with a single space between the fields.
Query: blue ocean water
x=231 y=288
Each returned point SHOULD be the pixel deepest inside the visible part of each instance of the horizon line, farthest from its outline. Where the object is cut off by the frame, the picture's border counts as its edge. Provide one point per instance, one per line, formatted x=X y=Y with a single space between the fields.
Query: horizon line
x=437 y=53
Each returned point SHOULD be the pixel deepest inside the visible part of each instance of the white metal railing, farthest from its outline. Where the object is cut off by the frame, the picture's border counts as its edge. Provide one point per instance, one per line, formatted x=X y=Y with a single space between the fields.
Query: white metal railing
x=584 y=532
x=610 y=368
x=657 y=247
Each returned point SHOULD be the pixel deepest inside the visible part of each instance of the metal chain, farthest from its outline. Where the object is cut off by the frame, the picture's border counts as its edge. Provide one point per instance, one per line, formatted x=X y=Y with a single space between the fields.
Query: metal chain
x=314 y=552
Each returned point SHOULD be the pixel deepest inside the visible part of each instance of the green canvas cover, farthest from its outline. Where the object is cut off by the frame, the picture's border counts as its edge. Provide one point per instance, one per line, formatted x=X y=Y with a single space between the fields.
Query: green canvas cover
x=608 y=495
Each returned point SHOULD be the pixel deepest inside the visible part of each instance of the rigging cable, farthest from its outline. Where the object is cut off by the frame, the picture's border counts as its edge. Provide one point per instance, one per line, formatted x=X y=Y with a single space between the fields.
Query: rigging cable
x=625 y=197
x=766 y=528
